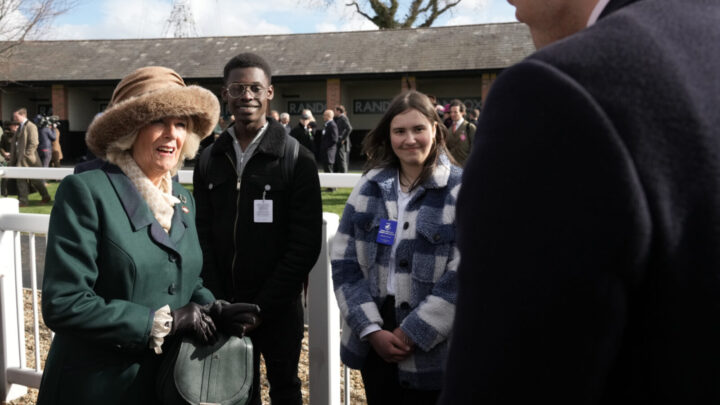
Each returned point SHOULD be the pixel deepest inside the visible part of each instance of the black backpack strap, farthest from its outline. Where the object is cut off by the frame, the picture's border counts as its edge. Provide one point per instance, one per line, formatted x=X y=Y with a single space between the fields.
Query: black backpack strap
x=205 y=160
x=289 y=159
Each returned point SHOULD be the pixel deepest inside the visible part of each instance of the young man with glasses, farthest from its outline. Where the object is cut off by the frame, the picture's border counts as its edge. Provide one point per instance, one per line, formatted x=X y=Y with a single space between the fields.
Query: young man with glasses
x=259 y=219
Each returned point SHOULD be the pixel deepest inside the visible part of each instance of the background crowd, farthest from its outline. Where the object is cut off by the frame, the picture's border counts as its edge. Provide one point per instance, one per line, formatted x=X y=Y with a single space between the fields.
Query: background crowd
x=560 y=246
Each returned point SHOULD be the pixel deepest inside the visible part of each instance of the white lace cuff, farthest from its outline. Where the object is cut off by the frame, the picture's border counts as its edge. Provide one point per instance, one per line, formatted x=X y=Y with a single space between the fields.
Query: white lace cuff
x=162 y=323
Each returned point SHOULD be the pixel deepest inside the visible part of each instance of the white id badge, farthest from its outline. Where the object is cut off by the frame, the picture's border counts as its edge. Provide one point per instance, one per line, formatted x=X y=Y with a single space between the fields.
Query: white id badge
x=263 y=211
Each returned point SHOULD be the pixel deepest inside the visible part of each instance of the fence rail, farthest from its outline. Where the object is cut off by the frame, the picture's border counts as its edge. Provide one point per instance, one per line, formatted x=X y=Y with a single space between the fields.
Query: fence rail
x=184 y=176
x=16 y=376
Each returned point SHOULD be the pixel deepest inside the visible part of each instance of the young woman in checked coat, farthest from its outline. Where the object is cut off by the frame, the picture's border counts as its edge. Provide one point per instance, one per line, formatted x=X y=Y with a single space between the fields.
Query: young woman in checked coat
x=394 y=257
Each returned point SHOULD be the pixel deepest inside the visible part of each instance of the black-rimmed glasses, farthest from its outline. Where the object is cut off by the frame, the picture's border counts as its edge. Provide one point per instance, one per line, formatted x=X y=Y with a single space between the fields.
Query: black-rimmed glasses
x=236 y=90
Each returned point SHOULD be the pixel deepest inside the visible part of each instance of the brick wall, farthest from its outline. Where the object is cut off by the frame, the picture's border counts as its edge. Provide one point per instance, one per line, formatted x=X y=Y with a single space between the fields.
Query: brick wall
x=333 y=96
x=487 y=81
x=60 y=101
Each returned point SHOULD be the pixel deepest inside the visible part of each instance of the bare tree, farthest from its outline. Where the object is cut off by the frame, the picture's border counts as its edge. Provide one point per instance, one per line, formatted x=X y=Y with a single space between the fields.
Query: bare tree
x=420 y=13
x=26 y=19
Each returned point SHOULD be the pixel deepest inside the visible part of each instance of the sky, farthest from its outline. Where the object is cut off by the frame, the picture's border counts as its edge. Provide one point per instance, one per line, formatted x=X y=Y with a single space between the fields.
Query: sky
x=122 y=19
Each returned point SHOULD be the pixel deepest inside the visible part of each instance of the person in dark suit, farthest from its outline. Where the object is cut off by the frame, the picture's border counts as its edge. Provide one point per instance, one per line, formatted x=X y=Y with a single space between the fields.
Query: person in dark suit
x=303 y=133
x=342 y=155
x=589 y=214
x=329 y=141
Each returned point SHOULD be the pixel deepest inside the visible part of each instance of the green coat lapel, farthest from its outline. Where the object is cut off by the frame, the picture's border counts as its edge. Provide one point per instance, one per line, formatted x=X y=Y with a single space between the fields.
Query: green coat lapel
x=139 y=213
x=180 y=218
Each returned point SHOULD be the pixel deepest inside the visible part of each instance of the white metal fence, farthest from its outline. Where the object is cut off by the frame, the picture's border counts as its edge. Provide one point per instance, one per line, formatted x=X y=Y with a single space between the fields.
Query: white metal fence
x=16 y=376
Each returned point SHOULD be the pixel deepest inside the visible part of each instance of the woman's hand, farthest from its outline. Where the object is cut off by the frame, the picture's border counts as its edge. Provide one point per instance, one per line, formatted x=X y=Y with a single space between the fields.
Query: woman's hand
x=388 y=346
x=402 y=336
x=235 y=319
x=193 y=320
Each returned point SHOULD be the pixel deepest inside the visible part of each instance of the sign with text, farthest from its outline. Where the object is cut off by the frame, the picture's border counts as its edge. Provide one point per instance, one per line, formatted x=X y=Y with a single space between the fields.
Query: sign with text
x=371 y=106
x=296 y=107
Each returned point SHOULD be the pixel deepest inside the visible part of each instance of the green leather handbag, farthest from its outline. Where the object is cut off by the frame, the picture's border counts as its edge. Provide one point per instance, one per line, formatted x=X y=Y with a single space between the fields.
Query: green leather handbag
x=217 y=374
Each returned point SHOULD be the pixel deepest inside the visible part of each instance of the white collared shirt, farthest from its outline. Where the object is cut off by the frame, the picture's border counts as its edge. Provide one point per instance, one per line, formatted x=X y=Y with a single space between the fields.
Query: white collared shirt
x=457 y=124
x=242 y=156
x=599 y=7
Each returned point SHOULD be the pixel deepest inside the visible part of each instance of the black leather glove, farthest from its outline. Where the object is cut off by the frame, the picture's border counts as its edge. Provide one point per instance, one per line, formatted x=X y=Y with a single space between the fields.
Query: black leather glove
x=193 y=320
x=235 y=319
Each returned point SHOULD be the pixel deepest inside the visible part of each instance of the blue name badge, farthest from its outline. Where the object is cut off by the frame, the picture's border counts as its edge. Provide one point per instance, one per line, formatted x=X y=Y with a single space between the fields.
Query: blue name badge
x=386 y=234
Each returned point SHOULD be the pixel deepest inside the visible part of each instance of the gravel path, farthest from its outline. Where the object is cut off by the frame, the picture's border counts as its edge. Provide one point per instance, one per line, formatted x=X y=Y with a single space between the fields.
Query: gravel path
x=357 y=393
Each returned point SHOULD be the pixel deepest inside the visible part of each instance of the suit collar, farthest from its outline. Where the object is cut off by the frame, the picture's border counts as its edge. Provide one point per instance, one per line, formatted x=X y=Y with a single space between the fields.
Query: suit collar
x=615 y=5
x=139 y=213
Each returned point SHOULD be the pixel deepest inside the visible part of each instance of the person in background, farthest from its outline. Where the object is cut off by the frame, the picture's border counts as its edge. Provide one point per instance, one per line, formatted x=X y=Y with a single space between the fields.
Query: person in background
x=5 y=144
x=472 y=116
x=275 y=115
x=6 y=140
x=394 y=257
x=329 y=141
x=123 y=260
x=24 y=154
x=589 y=216
x=447 y=120
x=46 y=136
x=317 y=140
x=461 y=133
x=57 y=154
x=285 y=121
x=303 y=133
x=342 y=155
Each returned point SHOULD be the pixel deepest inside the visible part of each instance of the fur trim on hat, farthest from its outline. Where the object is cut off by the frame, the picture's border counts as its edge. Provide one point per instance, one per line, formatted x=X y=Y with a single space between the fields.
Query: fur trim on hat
x=122 y=118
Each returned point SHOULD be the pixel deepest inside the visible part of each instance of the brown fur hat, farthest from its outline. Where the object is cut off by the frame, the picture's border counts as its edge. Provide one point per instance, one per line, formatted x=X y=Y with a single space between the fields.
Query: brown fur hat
x=146 y=95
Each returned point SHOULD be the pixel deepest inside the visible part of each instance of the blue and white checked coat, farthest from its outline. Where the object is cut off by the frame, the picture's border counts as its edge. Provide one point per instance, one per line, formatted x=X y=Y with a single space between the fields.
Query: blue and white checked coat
x=425 y=269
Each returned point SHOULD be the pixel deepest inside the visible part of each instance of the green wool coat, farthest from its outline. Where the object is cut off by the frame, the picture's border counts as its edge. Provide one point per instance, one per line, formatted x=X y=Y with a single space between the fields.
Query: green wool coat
x=109 y=266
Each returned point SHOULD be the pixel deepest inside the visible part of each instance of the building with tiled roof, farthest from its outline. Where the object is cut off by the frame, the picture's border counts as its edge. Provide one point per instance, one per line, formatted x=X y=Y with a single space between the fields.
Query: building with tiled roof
x=361 y=70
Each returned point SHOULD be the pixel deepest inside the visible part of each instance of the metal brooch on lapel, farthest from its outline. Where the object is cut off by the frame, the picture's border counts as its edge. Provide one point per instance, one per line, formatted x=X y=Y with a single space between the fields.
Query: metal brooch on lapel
x=183 y=200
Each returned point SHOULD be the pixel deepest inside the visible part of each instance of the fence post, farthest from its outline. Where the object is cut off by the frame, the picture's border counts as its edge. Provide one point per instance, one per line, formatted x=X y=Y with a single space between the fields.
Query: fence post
x=12 y=329
x=324 y=324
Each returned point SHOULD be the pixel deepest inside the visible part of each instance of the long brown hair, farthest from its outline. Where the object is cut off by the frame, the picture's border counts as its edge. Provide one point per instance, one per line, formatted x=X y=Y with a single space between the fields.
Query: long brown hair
x=378 y=149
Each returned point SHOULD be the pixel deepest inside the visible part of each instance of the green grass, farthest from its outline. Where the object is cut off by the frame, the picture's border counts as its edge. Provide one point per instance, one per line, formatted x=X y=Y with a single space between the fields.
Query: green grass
x=36 y=206
x=332 y=201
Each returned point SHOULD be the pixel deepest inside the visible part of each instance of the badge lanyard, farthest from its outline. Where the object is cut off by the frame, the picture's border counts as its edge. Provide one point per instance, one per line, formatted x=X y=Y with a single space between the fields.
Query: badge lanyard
x=264 y=209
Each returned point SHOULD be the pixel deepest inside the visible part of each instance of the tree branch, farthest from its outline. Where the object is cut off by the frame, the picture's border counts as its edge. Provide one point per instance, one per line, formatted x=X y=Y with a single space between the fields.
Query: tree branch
x=359 y=11
x=437 y=12
x=385 y=11
x=22 y=19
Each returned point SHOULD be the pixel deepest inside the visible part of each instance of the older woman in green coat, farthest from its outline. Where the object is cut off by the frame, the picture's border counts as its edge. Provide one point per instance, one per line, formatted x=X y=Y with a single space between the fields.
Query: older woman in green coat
x=123 y=259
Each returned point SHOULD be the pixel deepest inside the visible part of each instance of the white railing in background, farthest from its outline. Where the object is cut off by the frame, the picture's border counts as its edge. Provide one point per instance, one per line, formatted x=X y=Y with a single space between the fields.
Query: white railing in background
x=15 y=376
x=184 y=176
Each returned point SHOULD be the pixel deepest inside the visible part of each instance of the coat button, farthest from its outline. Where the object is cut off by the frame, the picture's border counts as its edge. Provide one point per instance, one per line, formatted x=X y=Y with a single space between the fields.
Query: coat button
x=405 y=306
x=406 y=225
x=172 y=258
x=171 y=289
x=368 y=226
x=436 y=238
x=403 y=263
